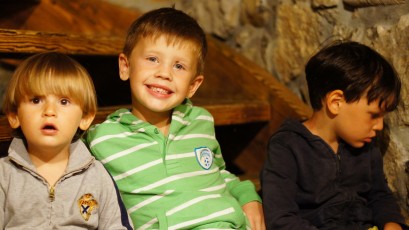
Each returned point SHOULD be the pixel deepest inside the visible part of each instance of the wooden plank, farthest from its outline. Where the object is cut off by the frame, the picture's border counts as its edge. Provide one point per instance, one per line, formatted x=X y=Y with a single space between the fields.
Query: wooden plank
x=224 y=114
x=239 y=113
x=27 y=41
x=94 y=17
x=279 y=93
x=5 y=130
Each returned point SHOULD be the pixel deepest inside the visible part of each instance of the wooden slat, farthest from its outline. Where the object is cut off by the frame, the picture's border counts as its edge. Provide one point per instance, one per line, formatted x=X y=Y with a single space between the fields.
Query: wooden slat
x=223 y=113
x=96 y=17
x=18 y=41
x=281 y=99
x=27 y=41
x=5 y=130
x=242 y=112
x=227 y=113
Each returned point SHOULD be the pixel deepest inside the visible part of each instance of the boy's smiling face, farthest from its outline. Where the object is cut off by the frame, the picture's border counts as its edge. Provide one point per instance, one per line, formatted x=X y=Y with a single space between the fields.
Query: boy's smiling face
x=161 y=73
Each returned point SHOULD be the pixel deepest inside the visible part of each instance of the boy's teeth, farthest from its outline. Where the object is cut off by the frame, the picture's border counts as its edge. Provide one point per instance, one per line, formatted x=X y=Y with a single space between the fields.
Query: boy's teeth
x=159 y=90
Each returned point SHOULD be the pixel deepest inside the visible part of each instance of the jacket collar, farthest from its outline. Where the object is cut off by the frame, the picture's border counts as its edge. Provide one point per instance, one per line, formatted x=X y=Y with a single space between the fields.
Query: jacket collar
x=79 y=156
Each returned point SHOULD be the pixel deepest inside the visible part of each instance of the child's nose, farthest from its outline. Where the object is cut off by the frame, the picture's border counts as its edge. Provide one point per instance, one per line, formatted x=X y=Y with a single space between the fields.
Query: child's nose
x=379 y=124
x=49 y=109
x=165 y=72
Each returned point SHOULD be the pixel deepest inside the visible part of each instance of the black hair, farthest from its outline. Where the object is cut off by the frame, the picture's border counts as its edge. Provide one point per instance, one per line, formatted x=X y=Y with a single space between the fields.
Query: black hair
x=355 y=69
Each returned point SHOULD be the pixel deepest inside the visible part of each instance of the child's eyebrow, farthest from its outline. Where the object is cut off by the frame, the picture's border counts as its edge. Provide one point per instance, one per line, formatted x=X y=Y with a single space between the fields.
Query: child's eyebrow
x=377 y=111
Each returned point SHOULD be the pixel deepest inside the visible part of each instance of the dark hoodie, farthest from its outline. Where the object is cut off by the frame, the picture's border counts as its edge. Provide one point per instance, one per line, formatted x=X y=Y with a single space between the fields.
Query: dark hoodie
x=305 y=185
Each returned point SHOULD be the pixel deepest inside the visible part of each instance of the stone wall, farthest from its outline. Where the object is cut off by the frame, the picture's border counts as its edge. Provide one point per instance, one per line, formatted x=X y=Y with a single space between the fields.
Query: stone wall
x=282 y=35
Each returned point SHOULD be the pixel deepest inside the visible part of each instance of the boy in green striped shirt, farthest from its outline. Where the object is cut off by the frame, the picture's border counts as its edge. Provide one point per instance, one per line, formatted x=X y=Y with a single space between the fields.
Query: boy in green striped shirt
x=162 y=153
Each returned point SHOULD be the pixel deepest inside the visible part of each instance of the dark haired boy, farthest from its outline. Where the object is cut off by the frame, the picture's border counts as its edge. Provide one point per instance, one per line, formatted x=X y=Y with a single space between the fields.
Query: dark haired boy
x=326 y=172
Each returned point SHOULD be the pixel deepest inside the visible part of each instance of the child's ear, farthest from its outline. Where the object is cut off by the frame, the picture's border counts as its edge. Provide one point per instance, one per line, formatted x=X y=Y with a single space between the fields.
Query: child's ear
x=194 y=85
x=123 y=67
x=86 y=121
x=13 y=120
x=334 y=100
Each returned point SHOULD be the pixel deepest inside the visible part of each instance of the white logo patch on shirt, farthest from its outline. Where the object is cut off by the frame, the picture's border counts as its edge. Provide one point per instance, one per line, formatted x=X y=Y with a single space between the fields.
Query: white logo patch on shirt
x=204 y=157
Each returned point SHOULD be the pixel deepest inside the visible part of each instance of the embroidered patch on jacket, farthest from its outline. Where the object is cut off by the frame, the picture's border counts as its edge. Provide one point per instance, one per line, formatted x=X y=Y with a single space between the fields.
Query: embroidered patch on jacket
x=204 y=156
x=87 y=204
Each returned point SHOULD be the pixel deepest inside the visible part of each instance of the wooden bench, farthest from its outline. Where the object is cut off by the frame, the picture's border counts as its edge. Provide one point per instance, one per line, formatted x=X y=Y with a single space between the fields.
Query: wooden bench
x=247 y=102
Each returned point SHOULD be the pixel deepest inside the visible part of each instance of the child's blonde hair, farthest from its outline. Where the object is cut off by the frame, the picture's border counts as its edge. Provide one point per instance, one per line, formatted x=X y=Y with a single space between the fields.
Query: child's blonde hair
x=51 y=73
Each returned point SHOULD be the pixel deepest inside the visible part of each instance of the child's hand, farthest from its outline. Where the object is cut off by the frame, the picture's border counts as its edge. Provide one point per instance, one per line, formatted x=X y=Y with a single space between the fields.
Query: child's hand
x=392 y=226
x=254 y=213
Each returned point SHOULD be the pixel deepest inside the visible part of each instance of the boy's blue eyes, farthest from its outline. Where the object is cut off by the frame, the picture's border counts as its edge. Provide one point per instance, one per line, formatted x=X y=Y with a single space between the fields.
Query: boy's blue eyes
x=177 y=65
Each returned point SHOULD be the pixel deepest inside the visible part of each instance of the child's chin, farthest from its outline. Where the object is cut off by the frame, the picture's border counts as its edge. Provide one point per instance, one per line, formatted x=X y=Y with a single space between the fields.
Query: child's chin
x=358 y=145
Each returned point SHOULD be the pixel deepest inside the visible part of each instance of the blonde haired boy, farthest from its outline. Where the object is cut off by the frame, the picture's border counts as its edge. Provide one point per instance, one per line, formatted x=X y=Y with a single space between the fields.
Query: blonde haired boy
x=49 y=180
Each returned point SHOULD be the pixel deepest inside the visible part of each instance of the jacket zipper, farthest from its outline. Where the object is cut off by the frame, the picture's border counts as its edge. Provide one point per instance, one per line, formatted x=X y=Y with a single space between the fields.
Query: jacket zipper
x=52 y=194
x=52 y=188
x=338 y=165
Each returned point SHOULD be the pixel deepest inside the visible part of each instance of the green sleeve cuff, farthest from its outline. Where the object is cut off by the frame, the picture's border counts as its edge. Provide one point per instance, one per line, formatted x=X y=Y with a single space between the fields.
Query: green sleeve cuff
x=245 y=192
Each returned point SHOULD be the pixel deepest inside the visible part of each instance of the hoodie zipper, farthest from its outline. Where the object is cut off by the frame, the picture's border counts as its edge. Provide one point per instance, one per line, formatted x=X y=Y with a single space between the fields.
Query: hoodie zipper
x=338 y=165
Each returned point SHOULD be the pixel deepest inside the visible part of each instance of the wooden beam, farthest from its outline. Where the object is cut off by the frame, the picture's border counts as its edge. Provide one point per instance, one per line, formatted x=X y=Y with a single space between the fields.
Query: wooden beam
x=27 y=41
x=229 y=113
x=224 y=114
x=94 y=17
x=5 y=131
x=282 y=98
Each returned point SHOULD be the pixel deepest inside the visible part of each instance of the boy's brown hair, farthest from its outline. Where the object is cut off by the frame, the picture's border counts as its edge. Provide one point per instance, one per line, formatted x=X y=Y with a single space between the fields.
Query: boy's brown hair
x=176 y=25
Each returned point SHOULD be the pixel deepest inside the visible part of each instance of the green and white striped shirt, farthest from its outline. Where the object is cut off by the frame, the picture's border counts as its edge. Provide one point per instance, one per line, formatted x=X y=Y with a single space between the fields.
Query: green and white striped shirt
x=173 y=182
